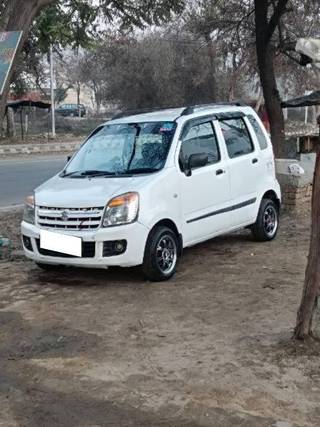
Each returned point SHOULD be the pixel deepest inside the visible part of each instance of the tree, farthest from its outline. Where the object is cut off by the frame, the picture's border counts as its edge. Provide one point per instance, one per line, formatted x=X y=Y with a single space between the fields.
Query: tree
x=237 y=26
x=311 y=288
x=310 y=292
x=94 y=72
x=167 y=67
x=69 y=72
x=269 y=27
x=264 y=31
x=224 y=29
x=19 y=15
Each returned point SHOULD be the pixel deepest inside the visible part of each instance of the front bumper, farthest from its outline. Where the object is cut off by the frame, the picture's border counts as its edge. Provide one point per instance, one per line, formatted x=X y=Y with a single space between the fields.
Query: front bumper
x=135 y=235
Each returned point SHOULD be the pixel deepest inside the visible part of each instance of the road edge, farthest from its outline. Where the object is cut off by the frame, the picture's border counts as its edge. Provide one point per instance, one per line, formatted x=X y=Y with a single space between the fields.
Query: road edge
x=46 y=148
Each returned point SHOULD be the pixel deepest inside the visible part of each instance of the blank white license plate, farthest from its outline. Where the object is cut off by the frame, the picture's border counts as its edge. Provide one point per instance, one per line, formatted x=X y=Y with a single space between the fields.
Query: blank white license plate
x=60 y=243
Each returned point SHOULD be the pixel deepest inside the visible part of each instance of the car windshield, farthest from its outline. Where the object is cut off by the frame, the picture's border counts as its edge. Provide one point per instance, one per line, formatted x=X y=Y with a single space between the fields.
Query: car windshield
x=126 y=148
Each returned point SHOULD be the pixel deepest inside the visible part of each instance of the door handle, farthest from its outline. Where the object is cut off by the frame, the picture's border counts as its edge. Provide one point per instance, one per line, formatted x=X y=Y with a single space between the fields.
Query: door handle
x=254 y=160
x=219 y=172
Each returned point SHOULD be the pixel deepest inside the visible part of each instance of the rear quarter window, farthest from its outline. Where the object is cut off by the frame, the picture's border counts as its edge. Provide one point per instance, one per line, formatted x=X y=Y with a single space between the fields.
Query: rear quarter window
x=262 y=139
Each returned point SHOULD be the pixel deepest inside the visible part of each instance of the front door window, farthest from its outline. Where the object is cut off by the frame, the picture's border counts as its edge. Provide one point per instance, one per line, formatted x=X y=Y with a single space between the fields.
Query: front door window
x=199 y=139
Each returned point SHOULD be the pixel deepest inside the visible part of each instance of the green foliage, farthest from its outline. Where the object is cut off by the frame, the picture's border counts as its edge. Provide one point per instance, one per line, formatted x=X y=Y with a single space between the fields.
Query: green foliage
x=70 y=23
x=139 y=13
x=78 y=23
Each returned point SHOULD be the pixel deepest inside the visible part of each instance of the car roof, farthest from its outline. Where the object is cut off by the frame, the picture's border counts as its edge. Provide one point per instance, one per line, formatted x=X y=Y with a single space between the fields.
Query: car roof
x=153 y=116
x=172 y=114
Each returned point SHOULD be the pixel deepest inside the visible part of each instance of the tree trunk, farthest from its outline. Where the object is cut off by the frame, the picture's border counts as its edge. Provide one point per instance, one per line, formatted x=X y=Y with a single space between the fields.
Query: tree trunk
x=232 y=86
x=212 y=62
x=5 y=16
x=259 y=102
x=98 y=104
x=310 y=292
x=11 y=129
x=272 y=101
x=78 y=98
x=265 y=55
x=97 y=98
x=18 y=16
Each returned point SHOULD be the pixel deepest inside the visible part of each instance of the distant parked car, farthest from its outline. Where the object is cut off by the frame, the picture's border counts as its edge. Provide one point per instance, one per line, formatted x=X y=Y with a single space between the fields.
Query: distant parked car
x=71 y=110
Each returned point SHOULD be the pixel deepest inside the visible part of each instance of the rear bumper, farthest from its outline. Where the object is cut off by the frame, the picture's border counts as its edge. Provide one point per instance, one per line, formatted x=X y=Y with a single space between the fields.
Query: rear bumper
x=135 y=235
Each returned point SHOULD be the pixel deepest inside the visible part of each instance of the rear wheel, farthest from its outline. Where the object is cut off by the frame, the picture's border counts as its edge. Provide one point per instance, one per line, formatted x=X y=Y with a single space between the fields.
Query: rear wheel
x=266 y=225
x=161 y=254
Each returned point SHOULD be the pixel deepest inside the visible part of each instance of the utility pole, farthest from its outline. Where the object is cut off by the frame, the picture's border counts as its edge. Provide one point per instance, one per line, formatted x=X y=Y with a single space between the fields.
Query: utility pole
x=52 y=95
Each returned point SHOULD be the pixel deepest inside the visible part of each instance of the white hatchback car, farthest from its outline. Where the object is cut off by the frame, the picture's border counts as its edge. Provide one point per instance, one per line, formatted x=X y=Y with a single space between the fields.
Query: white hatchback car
x=143 y=187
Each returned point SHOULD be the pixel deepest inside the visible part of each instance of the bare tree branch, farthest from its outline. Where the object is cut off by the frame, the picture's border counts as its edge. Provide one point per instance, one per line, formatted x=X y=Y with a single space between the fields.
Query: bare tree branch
x=279 y=10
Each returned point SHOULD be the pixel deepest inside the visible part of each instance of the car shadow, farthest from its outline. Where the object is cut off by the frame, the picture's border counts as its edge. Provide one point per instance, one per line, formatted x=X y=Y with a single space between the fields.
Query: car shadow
x=87 y=277
x=132 y=276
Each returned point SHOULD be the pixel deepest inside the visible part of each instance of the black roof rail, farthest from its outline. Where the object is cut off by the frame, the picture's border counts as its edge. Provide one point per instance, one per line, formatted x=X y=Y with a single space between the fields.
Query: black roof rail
x=186 y=111
x=192 y=108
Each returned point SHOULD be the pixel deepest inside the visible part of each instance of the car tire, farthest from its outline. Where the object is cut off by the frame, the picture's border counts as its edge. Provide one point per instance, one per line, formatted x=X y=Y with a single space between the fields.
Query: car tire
x=161 y=254
x=266 y=226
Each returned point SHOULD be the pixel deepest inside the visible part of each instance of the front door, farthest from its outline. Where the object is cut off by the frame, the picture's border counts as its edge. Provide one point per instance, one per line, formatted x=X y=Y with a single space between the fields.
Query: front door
x=204 y=190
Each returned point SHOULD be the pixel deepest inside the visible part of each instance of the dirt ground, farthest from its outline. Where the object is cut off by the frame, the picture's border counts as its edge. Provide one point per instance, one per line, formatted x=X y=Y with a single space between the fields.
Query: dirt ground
x=212 y=347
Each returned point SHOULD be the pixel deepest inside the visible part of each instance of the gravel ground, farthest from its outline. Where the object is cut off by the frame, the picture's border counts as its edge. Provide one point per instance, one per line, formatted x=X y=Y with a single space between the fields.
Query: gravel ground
x=212 y=347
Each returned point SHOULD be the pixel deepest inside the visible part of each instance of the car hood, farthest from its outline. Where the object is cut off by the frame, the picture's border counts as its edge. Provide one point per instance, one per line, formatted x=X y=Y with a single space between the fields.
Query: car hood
x=84 y=192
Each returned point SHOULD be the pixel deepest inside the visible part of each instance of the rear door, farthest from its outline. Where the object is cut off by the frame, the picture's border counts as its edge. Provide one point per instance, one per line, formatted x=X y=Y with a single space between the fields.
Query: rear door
x=259 y=134
x=245 y=169
x=206 y=191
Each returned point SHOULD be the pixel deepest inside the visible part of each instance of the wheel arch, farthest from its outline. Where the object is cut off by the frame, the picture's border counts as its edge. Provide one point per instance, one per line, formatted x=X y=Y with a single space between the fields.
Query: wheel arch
x=272 y=195
x=166 y=222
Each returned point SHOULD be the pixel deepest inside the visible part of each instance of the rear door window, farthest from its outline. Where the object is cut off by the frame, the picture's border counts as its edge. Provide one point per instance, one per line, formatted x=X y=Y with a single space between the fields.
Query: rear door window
x=261 y=137
x=237 y=137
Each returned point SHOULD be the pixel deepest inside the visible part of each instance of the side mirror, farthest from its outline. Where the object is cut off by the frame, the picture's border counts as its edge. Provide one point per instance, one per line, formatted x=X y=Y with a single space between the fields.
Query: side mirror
x=196 y=161
x=68 y=159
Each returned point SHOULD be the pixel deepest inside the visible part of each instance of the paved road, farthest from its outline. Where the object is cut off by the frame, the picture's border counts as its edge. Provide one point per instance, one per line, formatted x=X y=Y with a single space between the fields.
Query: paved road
x=19 y=177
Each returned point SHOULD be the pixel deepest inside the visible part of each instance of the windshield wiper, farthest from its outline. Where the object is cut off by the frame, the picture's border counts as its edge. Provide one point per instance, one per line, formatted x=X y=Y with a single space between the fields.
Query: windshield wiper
x=142 y=170
x=91 y=173
x=96 y=173
x=64 y=174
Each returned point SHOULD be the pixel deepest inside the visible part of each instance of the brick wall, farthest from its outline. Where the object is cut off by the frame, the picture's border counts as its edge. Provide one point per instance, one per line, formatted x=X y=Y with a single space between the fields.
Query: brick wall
x=296 y=198
x=296 y=190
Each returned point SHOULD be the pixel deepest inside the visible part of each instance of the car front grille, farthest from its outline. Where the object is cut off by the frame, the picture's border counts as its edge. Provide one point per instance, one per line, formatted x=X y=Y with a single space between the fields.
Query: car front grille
x=88 y=251
x=69 y=218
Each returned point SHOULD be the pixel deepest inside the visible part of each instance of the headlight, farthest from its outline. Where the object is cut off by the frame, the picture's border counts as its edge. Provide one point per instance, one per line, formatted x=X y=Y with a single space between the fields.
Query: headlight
x=28 y=213
x=121 y=210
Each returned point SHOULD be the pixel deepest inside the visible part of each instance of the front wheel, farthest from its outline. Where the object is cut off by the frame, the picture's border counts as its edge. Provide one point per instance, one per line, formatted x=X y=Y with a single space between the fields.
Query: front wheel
x=161 y=254
x=266 y=225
